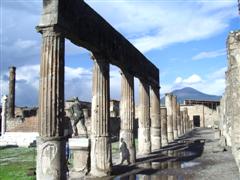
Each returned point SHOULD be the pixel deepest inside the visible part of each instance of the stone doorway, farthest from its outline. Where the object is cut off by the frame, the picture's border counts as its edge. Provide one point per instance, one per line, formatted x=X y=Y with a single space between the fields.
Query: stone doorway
x=196 y=121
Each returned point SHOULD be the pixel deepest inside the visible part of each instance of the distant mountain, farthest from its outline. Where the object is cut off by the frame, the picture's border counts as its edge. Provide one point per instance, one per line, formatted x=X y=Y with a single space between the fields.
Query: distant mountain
x=190 y=93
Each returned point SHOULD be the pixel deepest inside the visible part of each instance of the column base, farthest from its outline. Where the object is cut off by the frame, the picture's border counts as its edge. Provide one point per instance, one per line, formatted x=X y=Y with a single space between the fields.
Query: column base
x=170 y=137
x=144 y=144
x=164 y=140
x=175 y=134
x=101 y=157
x=155 y=139
x=51 y=159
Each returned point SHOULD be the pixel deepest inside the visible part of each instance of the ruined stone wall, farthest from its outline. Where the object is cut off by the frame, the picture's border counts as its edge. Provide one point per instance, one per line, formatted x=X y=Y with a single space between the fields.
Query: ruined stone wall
x=230 y=104
x=208 y=116
x=225 y=120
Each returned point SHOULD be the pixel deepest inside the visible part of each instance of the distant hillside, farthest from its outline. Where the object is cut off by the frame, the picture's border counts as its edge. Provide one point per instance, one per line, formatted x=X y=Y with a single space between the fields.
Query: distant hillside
x=190 y=93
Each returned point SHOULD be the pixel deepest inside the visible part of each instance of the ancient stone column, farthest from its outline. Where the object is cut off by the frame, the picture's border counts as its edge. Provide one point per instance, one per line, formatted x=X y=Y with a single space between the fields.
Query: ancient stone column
x=127 y=113
x=182 y=123
x=233 y=96
x=164 y=134
x=155 y=119
x=178 y=120
x=144 y=144
x=51 y=161
x=11 y=94
x=174 y=113
x=168 y=104
x=101 y=158
x=4 y=114
x=185 y=114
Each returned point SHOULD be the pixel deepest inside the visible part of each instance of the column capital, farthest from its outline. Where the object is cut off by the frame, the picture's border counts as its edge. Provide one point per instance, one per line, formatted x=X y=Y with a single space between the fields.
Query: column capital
x=49 y=30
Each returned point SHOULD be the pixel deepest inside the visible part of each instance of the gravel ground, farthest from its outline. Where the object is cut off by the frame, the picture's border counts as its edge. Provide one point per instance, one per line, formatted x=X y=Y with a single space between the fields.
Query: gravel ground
x=215 y=163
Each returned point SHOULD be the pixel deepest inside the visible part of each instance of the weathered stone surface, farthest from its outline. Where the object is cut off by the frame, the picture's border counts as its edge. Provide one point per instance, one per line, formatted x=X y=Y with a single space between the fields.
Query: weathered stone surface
x=101 y=159
x=127 y=113
x=178 y=120
x=144 y=144
x=4 y=114
x=155 y=119
x=168 y=104
x=11 y=94
x=51 y=147
x=80 y=148
x=182 y=122
x=230 y=102
x=164 y=135
x=51 y=161
x=174 y=116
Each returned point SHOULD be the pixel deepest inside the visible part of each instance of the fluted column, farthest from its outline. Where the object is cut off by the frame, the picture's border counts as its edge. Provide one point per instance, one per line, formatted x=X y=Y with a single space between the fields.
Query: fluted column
x=178 y=120
x=144 y=144
x=11 y=94
x=127 y=113
x=185 y=114
x=4 y=114
x=182 y=122
x=101 y=160
x=168 y=104
x=164 y=135
x=51 y=162
x=174 y=112
x=155 y=119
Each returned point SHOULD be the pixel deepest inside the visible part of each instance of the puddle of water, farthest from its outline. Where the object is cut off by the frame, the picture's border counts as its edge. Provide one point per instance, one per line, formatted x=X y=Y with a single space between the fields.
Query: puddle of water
x=189 y=164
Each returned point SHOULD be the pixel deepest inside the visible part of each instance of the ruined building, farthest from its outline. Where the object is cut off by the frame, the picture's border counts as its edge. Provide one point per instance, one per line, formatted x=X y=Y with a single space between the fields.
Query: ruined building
x=230 y=104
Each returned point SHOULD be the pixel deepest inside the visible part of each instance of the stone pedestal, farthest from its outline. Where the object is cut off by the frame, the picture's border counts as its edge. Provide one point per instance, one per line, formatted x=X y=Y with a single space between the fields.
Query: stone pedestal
x=164 y=135
x=144 y=144
x=11 y=94
x=101 y=157
x=51 y=158
x=127 y=113
x=81 y=154
x=155 y=119
x=4 y=114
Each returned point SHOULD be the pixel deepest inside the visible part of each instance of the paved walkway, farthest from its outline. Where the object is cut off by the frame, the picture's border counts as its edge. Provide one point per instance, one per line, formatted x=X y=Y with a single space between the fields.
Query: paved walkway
x=196 y=156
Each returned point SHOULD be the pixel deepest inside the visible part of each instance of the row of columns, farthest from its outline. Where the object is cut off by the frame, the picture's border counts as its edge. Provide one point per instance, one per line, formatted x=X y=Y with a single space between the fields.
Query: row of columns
x=152 y=133
x=51 y=143
x=177 y=121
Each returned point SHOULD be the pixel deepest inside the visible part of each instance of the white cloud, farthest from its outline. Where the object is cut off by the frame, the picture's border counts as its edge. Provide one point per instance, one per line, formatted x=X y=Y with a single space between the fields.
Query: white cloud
x=159 y=24
x=193 y=79
x=78 y=82
x=209 y=54
x=213 y=83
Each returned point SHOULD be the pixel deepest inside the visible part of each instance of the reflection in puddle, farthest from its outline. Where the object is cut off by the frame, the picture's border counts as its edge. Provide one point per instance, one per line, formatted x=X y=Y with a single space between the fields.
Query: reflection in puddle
x=170 y=165
x=189 y=164
x=160 y=177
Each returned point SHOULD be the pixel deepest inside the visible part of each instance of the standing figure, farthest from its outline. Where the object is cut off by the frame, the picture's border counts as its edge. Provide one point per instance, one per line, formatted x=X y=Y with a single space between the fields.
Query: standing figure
x=77 y=115
x=124 y=152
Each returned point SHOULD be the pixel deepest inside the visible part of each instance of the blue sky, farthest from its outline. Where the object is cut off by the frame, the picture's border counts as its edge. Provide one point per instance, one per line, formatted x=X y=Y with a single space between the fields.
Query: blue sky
x=186 y=40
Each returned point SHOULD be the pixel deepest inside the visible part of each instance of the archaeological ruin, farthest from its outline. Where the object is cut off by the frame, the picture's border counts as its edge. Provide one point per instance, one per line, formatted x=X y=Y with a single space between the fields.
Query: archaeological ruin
x=155 y=135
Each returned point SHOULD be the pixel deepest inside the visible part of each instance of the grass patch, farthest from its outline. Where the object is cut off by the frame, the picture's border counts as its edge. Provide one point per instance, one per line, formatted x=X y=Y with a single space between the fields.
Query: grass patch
x=16 y=162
